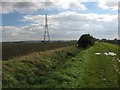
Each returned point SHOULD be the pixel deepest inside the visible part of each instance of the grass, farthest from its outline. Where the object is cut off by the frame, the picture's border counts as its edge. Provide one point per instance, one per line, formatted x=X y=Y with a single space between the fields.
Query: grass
x=98 y=70
x=67 y=67
x=35 y=68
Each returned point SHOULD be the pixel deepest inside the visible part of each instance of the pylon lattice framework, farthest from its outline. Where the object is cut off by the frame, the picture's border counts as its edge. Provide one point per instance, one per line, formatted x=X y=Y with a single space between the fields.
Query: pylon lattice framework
x=46 y=33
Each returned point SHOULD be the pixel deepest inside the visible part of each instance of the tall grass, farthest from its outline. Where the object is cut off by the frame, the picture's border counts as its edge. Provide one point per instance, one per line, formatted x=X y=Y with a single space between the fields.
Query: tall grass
x=35 y=68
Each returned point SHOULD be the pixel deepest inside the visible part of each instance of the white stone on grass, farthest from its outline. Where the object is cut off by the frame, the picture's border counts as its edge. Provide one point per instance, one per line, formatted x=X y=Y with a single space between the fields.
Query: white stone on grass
x=110 y=53
x=106 y=54
x=118 y=60
x=97 y=53
x=104 y=79
x=114 y=65
x=117 y=70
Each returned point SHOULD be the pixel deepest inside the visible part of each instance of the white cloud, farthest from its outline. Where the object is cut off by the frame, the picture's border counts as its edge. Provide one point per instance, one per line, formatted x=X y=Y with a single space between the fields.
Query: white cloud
x=68 y=17
x=72 y=21
x=12 y=33
x=45 y=0
x=0 y=33
x=108 y=4
x=21 y=7
x=29 y=7
x=67 y=25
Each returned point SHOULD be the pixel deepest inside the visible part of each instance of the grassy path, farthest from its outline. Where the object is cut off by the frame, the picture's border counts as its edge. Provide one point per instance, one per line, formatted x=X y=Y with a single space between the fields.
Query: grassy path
x=100 y=70
x=88 y=70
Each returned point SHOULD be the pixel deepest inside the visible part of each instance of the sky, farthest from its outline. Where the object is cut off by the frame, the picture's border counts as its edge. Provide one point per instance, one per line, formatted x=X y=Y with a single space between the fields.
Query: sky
x=24 y=20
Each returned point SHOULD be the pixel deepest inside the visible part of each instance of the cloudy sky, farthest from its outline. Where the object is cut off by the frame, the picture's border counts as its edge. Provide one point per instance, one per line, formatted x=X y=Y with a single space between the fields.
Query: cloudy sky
x=67 y=19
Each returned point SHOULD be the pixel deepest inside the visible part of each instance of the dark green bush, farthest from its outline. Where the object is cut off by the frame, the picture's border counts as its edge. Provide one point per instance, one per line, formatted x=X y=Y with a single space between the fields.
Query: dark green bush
x=85 y=41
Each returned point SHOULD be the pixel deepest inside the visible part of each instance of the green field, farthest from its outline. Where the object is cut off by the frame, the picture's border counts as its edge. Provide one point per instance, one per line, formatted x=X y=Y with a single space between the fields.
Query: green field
x=66 y=67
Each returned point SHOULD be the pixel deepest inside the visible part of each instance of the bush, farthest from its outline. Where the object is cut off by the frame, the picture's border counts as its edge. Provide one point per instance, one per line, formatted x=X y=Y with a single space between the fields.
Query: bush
x=85 y=41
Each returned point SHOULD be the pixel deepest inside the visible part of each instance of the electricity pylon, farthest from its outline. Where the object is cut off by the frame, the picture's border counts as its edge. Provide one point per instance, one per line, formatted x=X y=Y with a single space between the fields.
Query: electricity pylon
x=46 y=33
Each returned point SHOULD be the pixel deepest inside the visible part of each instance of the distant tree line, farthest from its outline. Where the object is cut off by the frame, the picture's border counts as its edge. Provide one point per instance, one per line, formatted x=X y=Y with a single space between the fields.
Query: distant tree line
x=115 y=41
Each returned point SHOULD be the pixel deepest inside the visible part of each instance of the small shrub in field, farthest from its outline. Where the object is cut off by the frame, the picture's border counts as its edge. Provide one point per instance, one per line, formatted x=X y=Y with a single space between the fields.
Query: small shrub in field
x=85 y=41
